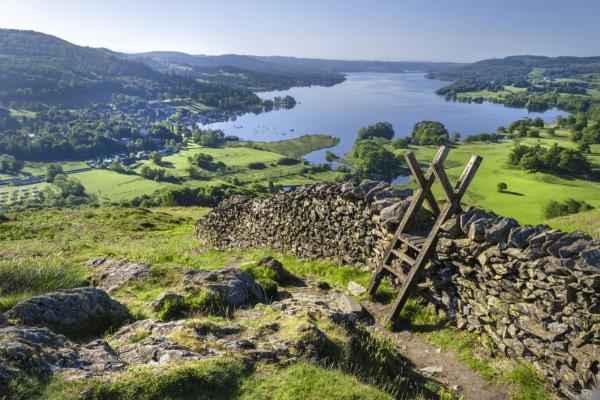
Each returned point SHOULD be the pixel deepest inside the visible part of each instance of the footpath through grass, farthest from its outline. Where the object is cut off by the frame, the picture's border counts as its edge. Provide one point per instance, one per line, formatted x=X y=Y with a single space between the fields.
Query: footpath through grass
x=477 y=351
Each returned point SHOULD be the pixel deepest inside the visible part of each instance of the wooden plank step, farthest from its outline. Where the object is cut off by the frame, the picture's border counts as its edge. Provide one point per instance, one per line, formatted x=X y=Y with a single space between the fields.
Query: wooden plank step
x=404 y=257
x=413 y=240
x=398 y=274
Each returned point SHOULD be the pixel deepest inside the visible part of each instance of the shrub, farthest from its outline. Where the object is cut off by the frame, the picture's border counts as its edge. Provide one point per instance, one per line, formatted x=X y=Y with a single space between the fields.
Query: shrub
x=556 y=209
x=288 y=161
x=502 y=186
x=257 y=165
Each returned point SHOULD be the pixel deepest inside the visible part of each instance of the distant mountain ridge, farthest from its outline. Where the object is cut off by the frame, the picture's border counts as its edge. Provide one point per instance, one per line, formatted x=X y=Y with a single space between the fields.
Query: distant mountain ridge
x=293 y=64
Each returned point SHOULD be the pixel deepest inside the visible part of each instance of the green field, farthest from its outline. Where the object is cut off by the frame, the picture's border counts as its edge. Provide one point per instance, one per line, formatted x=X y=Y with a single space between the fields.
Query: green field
x=112 y=186
x=527 y=192
x=297 y=147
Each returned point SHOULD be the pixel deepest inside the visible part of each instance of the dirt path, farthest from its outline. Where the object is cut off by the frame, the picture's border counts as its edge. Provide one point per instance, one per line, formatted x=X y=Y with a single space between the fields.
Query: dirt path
x=437 y=364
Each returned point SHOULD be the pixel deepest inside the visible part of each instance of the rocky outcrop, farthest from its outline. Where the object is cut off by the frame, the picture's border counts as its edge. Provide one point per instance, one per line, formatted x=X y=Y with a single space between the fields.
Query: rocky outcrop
x=28 y=352
x=237 y=287
x=73 y=312
x=533 y=290
x=111 y=274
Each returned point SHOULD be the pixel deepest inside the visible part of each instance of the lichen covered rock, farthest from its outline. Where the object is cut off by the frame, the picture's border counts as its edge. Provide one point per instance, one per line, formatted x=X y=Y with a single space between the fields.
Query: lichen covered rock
x=73 y=312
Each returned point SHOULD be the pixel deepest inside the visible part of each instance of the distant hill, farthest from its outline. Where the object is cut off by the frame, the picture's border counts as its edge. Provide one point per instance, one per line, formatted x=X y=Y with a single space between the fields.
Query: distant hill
x=291 y=64
x=516 y=69
x=35 y=67
x=537 y=83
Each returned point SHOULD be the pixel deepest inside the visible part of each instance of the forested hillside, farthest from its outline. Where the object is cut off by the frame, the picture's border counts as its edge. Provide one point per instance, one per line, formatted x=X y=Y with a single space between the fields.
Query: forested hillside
x=35 y=67
x=534 y=82
x=274 y=72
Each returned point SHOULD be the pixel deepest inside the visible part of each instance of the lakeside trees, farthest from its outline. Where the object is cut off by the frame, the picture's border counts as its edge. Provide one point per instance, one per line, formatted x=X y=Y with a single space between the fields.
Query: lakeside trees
x=380 y=129
x=429 y=133
x=374 y=161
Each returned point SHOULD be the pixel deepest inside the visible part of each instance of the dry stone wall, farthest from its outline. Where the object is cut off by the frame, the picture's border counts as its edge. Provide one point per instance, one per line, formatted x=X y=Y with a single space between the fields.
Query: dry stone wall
x=533 y=290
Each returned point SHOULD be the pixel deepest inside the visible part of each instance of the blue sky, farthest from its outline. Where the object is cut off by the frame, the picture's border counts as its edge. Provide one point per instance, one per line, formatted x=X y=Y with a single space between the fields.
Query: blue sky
x=452 y=30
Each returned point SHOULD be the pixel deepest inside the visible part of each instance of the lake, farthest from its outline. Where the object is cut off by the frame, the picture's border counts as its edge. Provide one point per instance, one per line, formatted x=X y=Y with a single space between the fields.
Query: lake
x=402 y=99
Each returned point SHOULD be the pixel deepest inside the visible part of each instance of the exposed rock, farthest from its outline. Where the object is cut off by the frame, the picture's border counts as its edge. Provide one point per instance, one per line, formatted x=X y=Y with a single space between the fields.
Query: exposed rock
x=499 y=231
x=565 y=242
x=349 y=306
x=28 y=352
x=591 y=257
x=238 y=287
x=73 y=312
x=355 y=289
x=111 y=274
x=477 y=229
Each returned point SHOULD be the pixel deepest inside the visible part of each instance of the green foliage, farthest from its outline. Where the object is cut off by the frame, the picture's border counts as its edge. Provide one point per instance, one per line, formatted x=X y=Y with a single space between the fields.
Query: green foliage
x=267 y=277
x=483 y=137
x=429 y=133
x=206 y=162
x=209 y=137
x=402 y=142
x=205 y=196
x=556 y=158
x=200 y=301
x=554 y=209
x=288 y=161
x=502 y=186
x=257 y=165
x=378 y=130
x=372 y=160
x=52 y=170
x=10 y=165
x=155 y=157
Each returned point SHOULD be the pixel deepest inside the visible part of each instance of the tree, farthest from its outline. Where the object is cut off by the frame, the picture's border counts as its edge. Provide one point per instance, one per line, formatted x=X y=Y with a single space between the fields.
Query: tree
x=380 y=129
x=502 y=186
x=373 y=161
x=538 y=122
x=402 y=142
x=429 y=132
x=9 y=164
x=155 y=157
x=209 y=137
x=455 y=137
x=52 y=170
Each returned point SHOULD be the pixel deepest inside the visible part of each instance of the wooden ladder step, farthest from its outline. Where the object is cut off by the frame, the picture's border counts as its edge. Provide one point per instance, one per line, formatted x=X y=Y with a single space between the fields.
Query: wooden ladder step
x=413 y=240
x=404 y=257
x=398 y=274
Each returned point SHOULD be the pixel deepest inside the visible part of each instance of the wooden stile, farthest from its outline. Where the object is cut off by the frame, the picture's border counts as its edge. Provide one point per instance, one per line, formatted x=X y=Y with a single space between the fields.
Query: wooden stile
x=422 y=244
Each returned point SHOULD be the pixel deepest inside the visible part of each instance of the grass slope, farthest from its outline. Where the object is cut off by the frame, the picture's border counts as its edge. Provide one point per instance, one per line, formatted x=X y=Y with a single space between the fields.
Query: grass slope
x=527 y=193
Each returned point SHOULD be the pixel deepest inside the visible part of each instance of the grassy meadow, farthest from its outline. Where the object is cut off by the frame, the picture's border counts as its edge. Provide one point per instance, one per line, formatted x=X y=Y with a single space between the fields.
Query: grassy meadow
x=110 y=186
x=527 y=193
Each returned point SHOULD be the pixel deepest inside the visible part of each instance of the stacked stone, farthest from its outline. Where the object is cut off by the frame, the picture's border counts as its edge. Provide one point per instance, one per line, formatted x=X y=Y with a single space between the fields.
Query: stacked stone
x=533 y=290
x=346 y=222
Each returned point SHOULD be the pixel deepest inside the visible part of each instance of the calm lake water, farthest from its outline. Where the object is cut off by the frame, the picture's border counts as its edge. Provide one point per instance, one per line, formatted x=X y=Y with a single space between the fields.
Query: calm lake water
x=365 y=98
